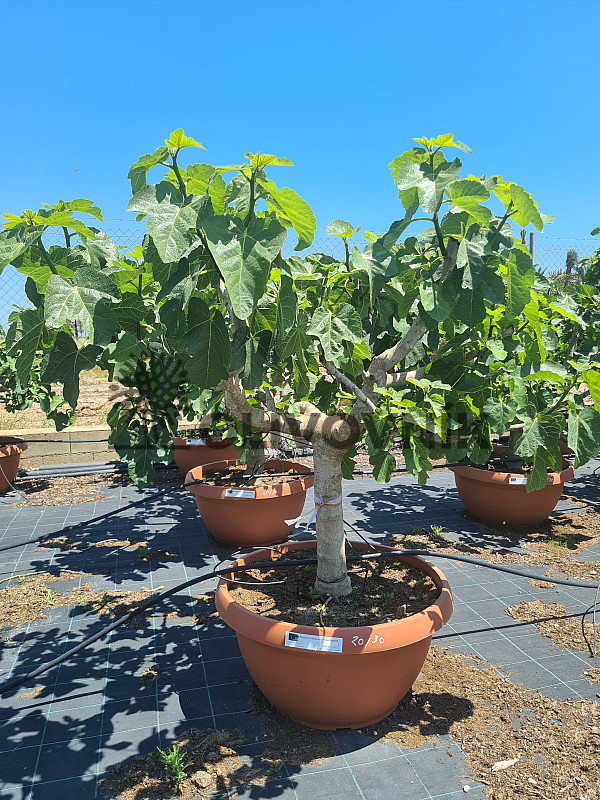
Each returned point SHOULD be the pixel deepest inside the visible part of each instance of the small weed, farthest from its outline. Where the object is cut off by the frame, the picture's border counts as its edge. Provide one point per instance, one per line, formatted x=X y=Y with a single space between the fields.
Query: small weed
x=389 y=595
x=309 y=568
x=175 y=764
x=415 y=529
x=50 y=598
x=558 y=541
x=104 y=600
x=143 y=553
x=312 y=591
x=436 y=531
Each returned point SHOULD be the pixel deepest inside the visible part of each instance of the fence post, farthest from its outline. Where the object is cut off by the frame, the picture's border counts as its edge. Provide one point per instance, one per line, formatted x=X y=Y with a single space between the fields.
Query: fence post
x=531 y=244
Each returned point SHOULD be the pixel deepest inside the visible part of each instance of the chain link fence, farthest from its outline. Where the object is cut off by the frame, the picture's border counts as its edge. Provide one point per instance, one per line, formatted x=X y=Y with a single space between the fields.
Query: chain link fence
x=549 y=255
x=12 y=283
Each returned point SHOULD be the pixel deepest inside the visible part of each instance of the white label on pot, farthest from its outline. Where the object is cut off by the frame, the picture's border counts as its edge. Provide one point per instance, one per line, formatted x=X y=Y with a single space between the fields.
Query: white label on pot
x=195 y=441
x=322 y=644
x=516 y=479
x=246 y=494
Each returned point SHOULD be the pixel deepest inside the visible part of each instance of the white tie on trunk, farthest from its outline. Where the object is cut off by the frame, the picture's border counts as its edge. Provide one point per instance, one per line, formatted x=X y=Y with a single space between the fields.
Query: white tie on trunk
x=319 y=503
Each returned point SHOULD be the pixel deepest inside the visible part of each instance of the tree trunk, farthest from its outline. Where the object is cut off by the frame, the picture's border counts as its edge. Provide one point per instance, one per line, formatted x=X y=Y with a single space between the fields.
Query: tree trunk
x=332 y=575
x=256 y=460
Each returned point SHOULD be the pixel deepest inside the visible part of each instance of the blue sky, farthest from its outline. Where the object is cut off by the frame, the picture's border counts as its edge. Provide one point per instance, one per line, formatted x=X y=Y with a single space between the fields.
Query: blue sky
x=339 y=87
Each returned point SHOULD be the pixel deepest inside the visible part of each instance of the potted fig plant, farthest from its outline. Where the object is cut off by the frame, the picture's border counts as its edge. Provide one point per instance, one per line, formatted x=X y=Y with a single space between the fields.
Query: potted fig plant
x=20 y=389
x=543 y=395
x=399 y=339
x=208 y=441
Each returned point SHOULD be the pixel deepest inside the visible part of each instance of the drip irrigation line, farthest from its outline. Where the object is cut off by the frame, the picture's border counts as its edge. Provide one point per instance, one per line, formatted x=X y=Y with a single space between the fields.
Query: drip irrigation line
x=478 y=562
x=143 y=500
x=359 y=534
x=593 y=622
x=227 y=571
x=162 y=492
x=101 y=634
x=85 y=523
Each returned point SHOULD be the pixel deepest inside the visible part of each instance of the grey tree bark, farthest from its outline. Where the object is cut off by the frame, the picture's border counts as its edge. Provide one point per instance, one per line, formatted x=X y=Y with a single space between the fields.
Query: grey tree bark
x=332 y=573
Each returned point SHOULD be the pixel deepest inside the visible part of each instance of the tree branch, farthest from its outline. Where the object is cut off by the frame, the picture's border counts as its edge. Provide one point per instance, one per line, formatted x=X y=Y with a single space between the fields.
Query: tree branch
x=311 y=424
x=396 y=380
x=394 y=355
x=385 y=362
x=224 y=295
x=571 y=347
x=345 y=381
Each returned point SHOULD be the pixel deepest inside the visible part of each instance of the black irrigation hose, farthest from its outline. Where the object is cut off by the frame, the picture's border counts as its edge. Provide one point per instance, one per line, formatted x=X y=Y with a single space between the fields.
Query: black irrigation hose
x=104 y=632
x=230 y=569
x=85 y=523
x=425 y=553
x=146 y=499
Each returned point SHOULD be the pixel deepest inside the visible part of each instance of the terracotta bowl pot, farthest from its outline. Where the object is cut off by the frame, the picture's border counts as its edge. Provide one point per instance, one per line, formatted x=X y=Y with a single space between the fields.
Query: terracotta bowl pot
x=564 y=448
x=202 y=451
x=10 y=455
x=363 y=676
x=500 y=498
x=253 y=516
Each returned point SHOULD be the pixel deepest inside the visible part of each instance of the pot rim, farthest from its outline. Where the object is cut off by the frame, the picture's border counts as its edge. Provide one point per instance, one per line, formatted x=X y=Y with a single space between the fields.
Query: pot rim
x=375 y=638
x=503 y=478
x=260 y=492
x=210 y=441
x=12 y=445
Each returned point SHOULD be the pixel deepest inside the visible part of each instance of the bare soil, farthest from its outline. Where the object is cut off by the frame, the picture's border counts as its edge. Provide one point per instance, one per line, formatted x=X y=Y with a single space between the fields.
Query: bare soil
x=517 y=743
x=570 y=633
x=288 y=741
x=82 y=488
x=66 y=491
x=382 y=591
x=236 y=476
x=215 y=767
x=28 y=598
x=32 y=692
x=25 y=600
x=592 y=676
x=495 y=721
x=96 y=398
x=149 y=676
x=553 y=544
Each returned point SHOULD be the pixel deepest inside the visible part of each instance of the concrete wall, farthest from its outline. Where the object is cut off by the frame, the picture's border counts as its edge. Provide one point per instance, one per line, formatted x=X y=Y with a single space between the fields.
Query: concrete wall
x=76 y=445
x=71 y=446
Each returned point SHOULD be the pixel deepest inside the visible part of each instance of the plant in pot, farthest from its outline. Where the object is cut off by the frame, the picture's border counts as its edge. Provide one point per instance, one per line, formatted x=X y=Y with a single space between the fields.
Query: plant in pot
x=149 y=323
x=544 y=394
x=20 y=389
x=334 y=351
x=208 y=441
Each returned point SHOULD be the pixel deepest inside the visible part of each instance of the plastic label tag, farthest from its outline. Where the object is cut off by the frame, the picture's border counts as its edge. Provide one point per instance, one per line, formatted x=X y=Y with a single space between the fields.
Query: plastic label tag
x=516 y=479
x=245 y=494
x=195 y=441
x=320 y=644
